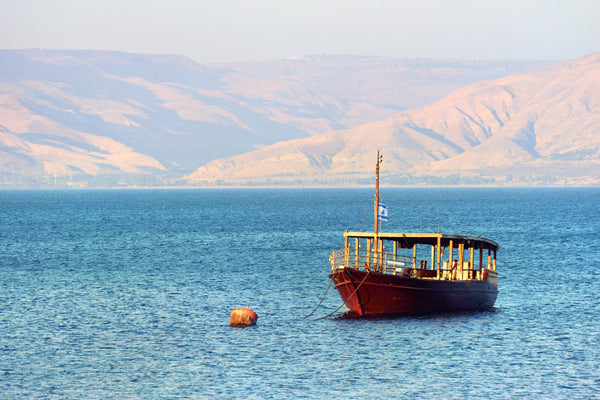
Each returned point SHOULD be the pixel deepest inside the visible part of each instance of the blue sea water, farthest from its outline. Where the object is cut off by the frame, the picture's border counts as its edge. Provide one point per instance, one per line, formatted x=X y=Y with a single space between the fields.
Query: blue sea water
x=127 y=294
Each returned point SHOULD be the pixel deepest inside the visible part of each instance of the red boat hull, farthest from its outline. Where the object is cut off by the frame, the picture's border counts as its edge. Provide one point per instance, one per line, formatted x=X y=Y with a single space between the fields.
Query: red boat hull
x=377 y=294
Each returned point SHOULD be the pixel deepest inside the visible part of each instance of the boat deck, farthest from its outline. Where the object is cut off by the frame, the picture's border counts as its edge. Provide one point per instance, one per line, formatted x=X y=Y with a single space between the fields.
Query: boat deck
x=424 y=256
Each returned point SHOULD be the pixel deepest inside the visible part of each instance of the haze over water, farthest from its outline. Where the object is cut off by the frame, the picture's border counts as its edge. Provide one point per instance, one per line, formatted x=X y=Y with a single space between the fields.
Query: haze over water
x=127 y=294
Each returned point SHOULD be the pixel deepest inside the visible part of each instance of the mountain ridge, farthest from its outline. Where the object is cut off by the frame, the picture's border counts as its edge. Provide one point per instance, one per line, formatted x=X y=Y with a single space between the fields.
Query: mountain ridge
x=485 y=130
x=112 y=118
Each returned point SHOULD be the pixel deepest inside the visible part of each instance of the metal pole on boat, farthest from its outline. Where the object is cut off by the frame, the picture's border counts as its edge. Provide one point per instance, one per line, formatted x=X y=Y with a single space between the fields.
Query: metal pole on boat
x=379 y=159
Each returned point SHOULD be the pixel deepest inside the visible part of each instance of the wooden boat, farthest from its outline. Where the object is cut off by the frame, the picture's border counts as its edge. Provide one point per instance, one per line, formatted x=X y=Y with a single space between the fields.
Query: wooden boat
x=386 y=274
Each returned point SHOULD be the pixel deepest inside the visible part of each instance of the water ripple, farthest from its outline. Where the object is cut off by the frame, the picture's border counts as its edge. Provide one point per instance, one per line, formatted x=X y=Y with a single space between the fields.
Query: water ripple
x=127 y=294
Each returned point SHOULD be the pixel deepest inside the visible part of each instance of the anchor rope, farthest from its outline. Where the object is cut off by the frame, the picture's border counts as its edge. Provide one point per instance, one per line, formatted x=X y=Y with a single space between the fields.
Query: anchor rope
x=323 y=298
x=353 y=293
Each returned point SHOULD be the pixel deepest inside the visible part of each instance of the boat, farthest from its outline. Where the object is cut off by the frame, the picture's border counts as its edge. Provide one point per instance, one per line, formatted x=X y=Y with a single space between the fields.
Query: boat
x=390 y=274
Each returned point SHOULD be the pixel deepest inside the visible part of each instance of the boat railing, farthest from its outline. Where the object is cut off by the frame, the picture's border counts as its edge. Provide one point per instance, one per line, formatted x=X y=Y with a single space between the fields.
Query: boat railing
x=370 y=261
x=467 y=272
x=401 y=265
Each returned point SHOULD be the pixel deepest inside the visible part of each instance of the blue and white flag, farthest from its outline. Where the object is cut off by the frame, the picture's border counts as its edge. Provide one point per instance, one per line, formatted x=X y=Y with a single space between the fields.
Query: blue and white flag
x=383 y=212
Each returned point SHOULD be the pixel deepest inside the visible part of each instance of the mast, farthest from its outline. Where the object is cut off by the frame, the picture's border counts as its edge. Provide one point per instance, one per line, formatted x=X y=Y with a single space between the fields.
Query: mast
x=379 y=160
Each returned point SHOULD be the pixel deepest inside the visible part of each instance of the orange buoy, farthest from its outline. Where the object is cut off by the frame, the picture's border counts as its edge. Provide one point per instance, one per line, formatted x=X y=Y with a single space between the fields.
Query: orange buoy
x=242 y=317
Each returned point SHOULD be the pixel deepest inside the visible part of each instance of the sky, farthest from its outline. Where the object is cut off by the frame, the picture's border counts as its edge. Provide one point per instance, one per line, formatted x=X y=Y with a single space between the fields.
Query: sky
x=220 y=31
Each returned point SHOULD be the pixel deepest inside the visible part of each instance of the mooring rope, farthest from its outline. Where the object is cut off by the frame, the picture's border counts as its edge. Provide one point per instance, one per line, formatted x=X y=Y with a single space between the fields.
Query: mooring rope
x=323 y=298
x=353 y=293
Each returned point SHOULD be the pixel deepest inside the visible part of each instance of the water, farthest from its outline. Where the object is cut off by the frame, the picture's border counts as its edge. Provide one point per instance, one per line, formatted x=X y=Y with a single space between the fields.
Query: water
x=127 y=294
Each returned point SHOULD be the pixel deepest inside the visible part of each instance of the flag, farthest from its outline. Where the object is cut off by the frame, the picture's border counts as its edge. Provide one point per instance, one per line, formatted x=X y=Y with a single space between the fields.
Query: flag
x=383 y=212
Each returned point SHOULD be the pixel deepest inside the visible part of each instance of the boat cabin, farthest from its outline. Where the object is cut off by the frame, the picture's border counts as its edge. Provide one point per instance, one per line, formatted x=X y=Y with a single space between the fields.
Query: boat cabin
x=418 y=255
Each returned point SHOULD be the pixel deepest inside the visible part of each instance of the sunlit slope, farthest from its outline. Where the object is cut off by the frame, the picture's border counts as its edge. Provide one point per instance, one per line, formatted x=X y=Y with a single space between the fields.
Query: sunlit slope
x=540 y=126
x=83 y=114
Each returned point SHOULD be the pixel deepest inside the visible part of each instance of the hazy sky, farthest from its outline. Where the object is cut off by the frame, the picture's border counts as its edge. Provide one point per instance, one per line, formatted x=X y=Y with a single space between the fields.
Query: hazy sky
x=237 y=30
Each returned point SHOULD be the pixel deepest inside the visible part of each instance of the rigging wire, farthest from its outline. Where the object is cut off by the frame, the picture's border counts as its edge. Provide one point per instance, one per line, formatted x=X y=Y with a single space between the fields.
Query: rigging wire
x=323 y=298
x=353 y=293
x=330 y=282
x=363 y=224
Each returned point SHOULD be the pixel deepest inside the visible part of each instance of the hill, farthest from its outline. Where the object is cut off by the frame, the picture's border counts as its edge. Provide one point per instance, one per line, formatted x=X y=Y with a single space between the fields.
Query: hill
x=536 y=127
x=111 y=118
